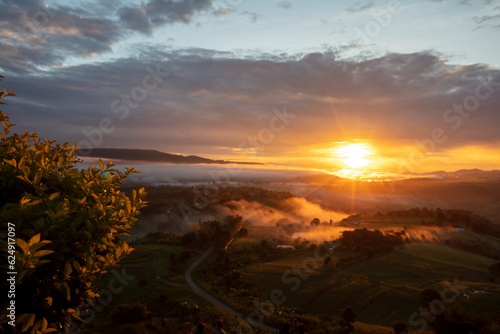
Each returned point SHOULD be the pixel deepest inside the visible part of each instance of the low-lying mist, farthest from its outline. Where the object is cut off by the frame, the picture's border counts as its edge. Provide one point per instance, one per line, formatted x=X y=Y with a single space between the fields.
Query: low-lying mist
x=315 y=195
x=298 y=210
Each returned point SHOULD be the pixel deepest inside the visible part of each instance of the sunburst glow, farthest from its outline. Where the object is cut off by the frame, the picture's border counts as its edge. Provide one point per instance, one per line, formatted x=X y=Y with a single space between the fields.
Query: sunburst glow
x=354 y=155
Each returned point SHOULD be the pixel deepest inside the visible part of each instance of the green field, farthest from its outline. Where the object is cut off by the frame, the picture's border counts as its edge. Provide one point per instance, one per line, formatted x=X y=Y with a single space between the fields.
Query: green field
x=383 y=290
x=160 y=287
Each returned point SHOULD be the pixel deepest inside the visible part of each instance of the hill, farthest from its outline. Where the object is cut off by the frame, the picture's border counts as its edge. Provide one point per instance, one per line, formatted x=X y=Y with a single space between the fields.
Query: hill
x=156 y=156
x=463 y=175
x=383 y=288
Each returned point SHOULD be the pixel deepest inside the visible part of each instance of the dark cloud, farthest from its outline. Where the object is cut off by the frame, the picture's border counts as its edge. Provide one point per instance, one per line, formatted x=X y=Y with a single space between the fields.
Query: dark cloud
x=136 y=19
x=33 y=35
x=396 y=97
x=156 y=13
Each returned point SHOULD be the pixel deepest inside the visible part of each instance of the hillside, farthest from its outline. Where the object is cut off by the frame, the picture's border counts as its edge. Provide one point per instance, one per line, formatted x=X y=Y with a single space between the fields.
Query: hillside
x=156 y=156
x=384 y=288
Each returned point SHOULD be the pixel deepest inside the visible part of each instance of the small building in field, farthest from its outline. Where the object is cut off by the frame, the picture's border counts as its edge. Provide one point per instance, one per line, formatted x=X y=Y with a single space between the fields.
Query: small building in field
x=285 y=247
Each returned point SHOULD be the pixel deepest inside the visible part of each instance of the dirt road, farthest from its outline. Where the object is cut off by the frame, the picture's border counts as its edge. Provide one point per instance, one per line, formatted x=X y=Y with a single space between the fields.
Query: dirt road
x=212 y=299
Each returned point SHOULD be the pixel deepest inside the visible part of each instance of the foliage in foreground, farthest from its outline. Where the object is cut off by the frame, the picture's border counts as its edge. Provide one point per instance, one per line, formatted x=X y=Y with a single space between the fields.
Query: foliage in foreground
x=66 y=223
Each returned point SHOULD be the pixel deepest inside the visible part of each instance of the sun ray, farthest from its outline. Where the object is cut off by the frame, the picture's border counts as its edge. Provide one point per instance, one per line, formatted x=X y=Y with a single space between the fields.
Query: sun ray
x=354 y=155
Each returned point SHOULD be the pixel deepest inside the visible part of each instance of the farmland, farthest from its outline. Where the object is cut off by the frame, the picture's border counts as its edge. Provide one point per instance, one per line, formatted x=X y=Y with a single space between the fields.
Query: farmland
x=384 y=289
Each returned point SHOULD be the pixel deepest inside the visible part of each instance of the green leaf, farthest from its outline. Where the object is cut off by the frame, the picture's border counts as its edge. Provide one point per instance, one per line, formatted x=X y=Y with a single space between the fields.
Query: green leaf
x=77 y=265
x=47 y=302
x=43 y=253
x=40 y=325
x=63 y=289
x=127 y=203
x=54 y=196
x=66 y=291
x=24 y=200
x=36 y=246
x=41 y=262
x=35 y=239
x=67 y=269
x=27 y=320
x=23 y=245
x=119 y=251
x=37 y=178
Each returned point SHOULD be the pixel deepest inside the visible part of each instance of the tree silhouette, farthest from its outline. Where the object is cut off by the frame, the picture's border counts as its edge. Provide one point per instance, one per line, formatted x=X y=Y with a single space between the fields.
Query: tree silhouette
x=400 y=328
x=348 y=319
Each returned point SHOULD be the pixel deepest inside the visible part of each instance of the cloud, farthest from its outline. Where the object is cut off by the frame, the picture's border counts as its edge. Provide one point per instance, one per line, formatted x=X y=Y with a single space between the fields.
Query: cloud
x=360 y=6
x=156 y=13
x=224 y=11
x=396 y=98
x=34 y=35
x=136 y=19
x=253 y=16
x=491 y=21
x=285 y=4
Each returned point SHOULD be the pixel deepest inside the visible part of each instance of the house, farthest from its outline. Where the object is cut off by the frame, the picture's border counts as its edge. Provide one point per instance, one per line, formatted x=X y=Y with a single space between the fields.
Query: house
x=285 y=247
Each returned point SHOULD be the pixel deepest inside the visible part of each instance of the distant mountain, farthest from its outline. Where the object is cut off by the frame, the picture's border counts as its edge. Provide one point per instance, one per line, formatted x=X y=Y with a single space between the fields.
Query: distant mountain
x=156 y=156
x=463 y=174
x=318 y=179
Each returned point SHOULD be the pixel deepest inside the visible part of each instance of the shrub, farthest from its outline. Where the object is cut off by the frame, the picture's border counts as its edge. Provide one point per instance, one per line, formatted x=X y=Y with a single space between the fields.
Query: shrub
x=130 y=313
x=67 y=224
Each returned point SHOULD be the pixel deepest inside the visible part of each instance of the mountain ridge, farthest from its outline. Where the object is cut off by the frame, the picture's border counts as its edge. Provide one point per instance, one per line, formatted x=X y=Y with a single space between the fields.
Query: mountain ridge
x=149 y=155
x=461 y=174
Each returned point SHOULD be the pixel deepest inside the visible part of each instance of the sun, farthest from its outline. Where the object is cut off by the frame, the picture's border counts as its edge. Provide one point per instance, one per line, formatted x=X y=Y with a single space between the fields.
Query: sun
x=354 y=155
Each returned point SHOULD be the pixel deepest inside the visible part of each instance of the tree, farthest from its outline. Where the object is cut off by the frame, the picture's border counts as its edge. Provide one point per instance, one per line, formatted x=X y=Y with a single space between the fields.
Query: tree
x=172 y=259
x=348 y=315
x=130 y=313
x=400 y=328
x=348 y=319
x=188 y=238
x=185 y=256
x=315 y=222
x=68 y=223
x=243 y=233
x=429 y=295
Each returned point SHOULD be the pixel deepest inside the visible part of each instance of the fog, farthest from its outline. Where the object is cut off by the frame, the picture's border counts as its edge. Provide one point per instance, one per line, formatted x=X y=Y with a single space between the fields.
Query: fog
x=321 y=192
x=222 y=174
x=298 y=210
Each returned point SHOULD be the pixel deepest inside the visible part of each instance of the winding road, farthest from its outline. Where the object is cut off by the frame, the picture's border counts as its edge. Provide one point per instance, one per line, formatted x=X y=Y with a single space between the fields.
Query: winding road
x=212 y=299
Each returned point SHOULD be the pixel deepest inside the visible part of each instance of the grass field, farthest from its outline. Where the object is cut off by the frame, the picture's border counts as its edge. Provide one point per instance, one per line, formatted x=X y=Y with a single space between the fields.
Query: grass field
x=383 y=290
x=157 y=285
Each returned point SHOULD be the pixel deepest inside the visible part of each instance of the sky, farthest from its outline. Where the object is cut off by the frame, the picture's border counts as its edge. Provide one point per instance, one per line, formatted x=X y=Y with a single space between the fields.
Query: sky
x=414 y=84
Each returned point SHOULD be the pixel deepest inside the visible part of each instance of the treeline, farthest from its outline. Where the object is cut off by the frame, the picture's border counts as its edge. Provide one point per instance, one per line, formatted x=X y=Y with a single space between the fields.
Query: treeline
x=178 y=200
x=454 y=318
x=212 y=233
x=372 y=242
x=209 y=233
x=457 y=218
